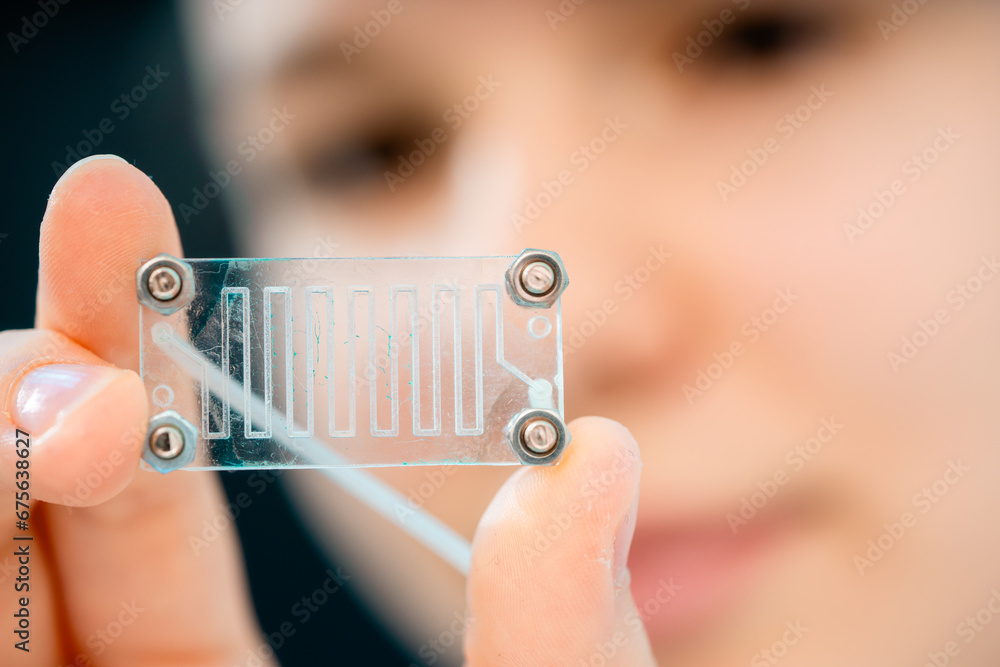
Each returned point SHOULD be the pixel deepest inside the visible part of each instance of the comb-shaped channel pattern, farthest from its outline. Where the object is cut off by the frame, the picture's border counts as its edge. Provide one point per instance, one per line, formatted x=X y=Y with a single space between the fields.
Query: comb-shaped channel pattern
x=377 y=361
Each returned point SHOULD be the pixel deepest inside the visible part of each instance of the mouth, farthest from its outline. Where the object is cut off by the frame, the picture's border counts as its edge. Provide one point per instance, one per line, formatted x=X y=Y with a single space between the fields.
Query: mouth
x=684 y=576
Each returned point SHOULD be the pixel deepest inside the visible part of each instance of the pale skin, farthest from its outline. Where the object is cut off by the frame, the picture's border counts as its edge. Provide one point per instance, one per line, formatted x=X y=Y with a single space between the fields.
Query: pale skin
x=907 y=448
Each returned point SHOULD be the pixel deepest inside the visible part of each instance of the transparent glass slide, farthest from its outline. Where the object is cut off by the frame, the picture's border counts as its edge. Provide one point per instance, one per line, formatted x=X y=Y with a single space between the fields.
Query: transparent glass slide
x=351 y=362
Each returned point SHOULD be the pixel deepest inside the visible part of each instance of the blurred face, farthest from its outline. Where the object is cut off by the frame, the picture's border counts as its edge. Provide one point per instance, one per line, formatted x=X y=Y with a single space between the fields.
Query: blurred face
x=780 y=222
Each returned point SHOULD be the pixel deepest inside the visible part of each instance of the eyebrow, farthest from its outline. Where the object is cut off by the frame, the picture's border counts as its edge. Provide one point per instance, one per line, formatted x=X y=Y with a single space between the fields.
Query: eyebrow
x=316 y=58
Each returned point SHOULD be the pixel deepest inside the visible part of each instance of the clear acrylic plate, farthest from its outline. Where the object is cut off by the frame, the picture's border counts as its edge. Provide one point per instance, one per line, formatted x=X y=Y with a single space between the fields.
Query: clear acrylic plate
x=276 y=363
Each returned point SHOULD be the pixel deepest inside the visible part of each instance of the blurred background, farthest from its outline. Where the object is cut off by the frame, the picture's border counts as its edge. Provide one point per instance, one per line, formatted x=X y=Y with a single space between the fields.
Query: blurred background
x=62 y=92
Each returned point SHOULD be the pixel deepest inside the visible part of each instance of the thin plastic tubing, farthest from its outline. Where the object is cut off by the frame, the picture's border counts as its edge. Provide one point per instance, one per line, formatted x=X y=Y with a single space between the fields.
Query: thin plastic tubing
x=376 y=494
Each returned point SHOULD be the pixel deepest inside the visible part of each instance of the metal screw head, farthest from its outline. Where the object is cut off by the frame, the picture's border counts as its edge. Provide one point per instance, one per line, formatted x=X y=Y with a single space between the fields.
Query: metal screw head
x=171 y=442
x=538 y=278
x=164 y=283
x=166 y=442
x=540 y=436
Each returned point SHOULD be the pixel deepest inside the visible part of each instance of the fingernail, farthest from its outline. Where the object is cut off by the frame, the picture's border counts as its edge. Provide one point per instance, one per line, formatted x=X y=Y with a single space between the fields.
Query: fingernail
x=46 y=395
x=622 y=544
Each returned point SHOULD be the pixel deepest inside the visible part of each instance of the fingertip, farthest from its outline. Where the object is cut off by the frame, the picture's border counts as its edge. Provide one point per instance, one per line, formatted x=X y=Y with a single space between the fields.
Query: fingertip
x=103 y=217
x=110 y=177
x=601 y=439
x=602 y=453
x=89 y=160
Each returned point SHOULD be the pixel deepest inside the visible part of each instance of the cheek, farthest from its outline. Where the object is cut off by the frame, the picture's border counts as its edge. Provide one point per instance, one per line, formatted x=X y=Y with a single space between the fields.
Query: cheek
x=889 y=241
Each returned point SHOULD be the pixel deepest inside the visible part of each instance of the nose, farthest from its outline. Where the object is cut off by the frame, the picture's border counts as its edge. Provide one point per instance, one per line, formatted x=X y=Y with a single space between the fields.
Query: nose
x=594 y=179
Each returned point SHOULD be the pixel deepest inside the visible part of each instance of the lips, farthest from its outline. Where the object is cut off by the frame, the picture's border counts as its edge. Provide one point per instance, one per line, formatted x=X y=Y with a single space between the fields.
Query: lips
x=685 y=576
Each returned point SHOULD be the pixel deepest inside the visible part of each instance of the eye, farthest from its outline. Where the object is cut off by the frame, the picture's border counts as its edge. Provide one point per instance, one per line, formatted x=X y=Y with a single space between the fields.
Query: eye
x=768 y=36
x=764 y=38
x=373 y=161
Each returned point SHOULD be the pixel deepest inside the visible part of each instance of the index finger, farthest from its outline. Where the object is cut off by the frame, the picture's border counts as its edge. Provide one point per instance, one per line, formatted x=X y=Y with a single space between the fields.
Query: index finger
x=103 y=216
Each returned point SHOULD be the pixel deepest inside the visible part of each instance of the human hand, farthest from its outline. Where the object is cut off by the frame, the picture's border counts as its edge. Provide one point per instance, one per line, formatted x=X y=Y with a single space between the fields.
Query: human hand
x=113 y=579
x=548 y=583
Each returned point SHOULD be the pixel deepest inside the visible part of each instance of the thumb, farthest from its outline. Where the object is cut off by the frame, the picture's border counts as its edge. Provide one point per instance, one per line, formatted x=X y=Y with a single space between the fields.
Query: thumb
x=548 y=583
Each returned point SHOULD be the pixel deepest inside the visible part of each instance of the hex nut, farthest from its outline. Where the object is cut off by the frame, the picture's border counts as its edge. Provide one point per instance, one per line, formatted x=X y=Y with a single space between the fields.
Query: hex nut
x=528 y=276
x=548 y=422
x=153 y=288
x=175 y=423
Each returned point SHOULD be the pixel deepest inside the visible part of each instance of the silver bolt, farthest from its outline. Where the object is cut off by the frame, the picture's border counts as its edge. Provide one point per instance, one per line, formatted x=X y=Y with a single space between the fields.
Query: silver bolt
x=539 y=435
x=167 y=442
x=538 y=278
x=164 y=283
